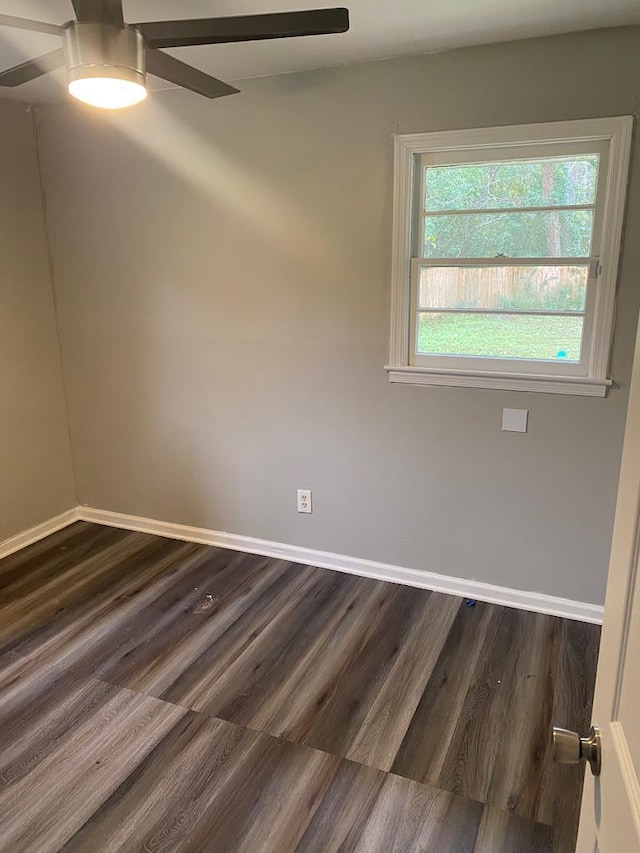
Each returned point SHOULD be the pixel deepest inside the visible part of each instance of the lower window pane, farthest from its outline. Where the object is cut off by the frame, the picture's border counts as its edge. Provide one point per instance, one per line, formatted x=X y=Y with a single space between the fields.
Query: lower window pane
x=516 y=336
x=543 y=288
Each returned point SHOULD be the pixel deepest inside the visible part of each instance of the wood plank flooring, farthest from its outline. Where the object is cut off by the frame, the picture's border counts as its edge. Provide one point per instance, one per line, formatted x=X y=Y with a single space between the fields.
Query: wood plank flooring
x=158 y=695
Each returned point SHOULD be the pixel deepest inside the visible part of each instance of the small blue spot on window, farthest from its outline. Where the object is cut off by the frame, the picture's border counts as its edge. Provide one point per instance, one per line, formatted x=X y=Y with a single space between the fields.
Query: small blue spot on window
x=561 y=354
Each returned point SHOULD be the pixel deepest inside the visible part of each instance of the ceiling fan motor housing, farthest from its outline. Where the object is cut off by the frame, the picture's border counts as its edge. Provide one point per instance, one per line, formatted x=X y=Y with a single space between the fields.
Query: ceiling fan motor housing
x=102 y=50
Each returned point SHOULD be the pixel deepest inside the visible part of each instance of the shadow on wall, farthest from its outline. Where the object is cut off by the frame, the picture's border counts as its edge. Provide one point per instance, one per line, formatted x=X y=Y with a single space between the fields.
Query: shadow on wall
x=202 y=405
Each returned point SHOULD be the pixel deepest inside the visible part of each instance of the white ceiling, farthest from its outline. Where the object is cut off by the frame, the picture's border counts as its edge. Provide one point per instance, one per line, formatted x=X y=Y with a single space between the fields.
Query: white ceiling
x=379 y=29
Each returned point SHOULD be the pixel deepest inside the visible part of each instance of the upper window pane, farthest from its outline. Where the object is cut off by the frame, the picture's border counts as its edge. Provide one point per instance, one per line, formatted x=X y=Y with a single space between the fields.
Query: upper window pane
x=548 y=182
x=515 y=234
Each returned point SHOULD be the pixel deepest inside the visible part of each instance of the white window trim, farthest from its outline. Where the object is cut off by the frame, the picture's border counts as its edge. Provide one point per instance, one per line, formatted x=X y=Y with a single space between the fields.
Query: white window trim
x=617 y=131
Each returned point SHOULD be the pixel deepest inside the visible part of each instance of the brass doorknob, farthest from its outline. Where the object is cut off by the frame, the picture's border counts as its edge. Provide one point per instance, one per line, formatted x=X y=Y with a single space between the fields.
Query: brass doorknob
x=570 y=748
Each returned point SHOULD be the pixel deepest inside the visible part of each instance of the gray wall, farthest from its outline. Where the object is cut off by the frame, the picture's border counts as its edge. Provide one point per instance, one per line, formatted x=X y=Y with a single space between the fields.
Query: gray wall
x=223 y=277
x=35 y=460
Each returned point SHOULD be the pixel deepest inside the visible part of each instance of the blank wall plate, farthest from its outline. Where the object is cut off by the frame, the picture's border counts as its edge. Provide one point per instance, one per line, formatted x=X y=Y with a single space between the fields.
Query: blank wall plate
x=515 y=420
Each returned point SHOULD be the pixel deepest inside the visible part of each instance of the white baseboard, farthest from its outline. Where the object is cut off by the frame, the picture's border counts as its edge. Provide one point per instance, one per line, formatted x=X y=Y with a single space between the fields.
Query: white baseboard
x=34 y=534
x=479 y=590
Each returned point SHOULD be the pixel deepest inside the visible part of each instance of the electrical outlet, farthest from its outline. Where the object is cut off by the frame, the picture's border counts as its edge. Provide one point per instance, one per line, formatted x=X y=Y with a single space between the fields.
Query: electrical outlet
x=304 y=500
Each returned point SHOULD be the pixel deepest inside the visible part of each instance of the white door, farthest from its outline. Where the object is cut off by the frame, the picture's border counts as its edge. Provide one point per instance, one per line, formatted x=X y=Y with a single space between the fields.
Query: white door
x=610 y=818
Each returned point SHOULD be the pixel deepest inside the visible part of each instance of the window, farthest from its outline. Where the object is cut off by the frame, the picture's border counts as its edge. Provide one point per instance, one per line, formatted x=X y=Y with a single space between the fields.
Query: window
x=505 y=255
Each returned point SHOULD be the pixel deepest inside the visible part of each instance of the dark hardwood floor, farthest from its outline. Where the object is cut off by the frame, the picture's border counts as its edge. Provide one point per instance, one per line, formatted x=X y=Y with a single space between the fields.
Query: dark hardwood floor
x=157 y=695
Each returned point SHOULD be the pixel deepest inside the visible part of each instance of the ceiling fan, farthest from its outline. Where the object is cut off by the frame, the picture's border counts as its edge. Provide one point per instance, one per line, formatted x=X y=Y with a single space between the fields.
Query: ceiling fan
x=107 y=59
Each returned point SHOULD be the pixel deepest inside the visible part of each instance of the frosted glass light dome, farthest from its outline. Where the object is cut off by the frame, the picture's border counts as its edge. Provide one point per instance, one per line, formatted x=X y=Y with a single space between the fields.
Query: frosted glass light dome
x=108 y=93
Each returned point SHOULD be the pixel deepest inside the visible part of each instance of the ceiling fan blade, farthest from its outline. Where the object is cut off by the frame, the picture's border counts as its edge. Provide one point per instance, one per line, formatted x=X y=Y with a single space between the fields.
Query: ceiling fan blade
x=244 y=27
x=99 y=11
x=27 y=71
x=26 y=24
x=171 y=69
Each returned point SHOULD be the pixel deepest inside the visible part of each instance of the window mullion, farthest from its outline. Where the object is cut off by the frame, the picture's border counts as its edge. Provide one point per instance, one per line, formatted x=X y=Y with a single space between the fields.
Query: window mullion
x=475 y=211
x=501 y=261
x=521 y=312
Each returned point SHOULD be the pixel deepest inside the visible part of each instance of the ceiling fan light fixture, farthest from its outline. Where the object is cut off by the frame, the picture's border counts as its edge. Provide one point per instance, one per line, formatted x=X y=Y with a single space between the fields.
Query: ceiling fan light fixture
x=107 y=93
x=107 y=59
x=105 y=64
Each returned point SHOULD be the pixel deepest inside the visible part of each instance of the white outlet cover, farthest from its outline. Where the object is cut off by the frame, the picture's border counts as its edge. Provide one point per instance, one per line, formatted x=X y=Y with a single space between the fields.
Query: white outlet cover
x=304 y=501
x=515 y=420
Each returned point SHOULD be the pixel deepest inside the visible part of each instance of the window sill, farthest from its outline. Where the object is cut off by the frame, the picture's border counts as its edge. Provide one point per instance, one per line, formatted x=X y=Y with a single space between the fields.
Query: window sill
x=576 y=385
